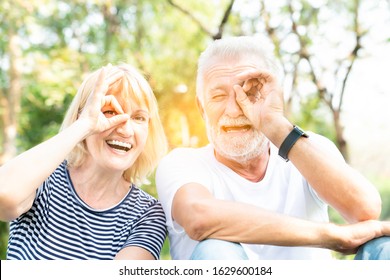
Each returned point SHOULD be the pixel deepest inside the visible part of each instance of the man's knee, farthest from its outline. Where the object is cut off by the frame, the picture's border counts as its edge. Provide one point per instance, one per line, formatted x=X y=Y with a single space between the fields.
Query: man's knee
x=215 y=249
x=376 y=249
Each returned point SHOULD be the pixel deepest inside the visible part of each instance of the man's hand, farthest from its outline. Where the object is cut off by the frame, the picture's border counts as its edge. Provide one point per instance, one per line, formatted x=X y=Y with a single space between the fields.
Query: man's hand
x=348 y=238
x=261 y=98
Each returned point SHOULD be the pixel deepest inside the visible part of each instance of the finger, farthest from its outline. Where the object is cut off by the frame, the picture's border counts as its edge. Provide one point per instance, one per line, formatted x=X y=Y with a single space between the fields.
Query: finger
x=112 y=101
x=255 y=82
x=253 y=94
x=248 y=84
x=385 y=228
x=251 y=86
x=241 y=96
x=100 y=86
x=117 y=120
x=256 y=74
x=103 y=82
x=259 y=88
x=246 y=104
x=113 y=78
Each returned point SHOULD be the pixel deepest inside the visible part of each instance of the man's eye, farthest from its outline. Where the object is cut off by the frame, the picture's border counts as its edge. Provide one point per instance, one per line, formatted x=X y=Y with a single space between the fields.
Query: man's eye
x=109 y=113
x=218 y=96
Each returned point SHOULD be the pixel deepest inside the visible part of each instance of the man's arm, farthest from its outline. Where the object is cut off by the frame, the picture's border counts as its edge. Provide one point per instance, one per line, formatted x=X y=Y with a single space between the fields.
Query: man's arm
x=202 y=216
x=353 y=196
x=342 y=187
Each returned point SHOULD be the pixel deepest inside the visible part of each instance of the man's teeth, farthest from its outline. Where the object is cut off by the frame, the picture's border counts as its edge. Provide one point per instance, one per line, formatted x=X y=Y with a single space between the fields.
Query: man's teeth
x=119 y=145
x=235 y=128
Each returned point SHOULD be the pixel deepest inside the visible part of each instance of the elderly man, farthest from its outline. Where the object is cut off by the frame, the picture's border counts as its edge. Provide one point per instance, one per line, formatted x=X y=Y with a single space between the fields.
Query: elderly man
x=261 y=188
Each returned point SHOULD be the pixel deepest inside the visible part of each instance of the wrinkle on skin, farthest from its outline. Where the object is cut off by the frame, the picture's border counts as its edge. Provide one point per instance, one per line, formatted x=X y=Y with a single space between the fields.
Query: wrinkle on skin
x=236 y=140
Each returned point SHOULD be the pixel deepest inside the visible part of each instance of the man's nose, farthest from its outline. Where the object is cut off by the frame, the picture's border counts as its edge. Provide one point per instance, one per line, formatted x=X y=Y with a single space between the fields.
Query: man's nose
x=232 y=109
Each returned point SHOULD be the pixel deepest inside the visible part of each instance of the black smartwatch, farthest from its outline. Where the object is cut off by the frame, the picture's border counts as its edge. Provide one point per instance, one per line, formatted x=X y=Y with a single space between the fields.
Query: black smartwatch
x=290 y=140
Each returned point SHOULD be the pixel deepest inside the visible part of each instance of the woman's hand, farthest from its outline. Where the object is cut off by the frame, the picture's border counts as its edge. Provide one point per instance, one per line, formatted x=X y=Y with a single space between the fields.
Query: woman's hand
x=92 y=113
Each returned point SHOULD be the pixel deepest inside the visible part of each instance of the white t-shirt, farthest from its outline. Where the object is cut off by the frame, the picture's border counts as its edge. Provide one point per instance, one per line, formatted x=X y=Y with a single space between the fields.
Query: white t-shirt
x=282 y=190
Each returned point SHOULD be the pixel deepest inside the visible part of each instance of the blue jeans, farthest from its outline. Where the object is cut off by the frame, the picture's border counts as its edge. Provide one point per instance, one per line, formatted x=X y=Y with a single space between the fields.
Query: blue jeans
x=375 y=249
x=214 y=249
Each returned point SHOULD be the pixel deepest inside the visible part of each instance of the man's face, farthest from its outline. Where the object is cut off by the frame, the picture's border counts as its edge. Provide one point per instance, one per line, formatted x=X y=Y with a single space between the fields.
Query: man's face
x=230 y=131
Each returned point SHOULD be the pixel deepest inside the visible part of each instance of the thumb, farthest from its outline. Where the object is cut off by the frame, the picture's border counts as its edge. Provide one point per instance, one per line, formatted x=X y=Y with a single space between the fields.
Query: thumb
x=118 y=119
x=242 y=98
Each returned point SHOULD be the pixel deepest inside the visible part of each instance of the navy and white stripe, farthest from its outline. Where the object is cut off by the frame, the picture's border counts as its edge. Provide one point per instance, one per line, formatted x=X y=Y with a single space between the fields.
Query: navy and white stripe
x=61 y=226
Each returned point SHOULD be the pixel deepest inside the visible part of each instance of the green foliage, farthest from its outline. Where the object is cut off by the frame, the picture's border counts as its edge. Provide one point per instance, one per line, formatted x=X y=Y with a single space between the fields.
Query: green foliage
x=165 y=254
x=312 y=116
x=3 y=239
x=383 y=184
x=64 y=40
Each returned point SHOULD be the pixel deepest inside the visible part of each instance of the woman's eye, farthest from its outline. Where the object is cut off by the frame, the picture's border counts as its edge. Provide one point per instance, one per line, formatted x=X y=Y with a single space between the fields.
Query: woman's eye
x=109 y=113
x=140 y=119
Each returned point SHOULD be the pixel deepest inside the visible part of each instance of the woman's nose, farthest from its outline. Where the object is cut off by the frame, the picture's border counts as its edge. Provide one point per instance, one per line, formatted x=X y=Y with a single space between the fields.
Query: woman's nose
x=126 y=129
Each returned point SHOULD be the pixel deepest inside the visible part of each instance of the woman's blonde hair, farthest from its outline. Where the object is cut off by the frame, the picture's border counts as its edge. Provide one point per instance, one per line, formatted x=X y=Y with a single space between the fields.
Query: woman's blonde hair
x=132 y=85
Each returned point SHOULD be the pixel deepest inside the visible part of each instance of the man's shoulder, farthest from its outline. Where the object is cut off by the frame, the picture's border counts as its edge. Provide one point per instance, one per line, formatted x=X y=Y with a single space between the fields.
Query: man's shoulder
x=183 y=152
x=186 y=157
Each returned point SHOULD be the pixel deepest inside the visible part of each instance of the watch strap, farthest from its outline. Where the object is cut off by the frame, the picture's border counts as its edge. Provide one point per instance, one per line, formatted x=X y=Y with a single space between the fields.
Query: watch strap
x=290 y=140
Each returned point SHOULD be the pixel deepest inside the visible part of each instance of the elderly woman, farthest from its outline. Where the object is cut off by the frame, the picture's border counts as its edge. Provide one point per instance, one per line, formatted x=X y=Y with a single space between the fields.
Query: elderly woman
x=74 y=196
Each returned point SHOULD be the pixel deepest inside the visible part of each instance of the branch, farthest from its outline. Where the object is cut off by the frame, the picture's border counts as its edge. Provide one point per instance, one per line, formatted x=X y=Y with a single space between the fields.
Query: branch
x=192 y=17
x=304 y=54
x=271 y=31
x=276 y=41
x=218 y=34
x=224 y=20
x=354 y=53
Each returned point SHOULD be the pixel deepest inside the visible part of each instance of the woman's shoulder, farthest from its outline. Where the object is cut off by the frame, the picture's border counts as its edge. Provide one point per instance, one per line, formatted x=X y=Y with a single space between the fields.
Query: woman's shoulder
x=142 y=198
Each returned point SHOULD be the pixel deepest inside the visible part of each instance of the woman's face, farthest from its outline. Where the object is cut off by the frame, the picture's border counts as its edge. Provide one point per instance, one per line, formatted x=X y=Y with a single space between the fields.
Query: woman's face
x=118 y=148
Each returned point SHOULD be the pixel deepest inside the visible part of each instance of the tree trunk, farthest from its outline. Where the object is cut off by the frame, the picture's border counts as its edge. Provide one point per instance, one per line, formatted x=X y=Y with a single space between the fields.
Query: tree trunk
x=10 y=101
x=340 y=140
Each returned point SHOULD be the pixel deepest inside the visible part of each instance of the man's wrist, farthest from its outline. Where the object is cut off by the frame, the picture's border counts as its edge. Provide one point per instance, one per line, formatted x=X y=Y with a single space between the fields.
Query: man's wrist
x=290 y=140
x=276 y=130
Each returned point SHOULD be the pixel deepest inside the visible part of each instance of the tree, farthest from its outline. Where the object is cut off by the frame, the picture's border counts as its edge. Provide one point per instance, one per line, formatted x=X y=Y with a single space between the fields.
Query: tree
x=295 y=29
x=58 y=41
x=304 y=24
x=10 y=96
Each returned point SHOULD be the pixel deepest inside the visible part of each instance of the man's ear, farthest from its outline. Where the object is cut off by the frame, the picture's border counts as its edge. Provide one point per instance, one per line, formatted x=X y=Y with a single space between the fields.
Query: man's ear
x=200 y=107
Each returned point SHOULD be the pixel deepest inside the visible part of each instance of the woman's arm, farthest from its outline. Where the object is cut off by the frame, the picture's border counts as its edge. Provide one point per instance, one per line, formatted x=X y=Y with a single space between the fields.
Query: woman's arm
x=21 y=176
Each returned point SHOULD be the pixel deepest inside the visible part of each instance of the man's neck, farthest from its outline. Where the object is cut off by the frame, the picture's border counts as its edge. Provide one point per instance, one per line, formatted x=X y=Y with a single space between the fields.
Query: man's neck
x=252 y=170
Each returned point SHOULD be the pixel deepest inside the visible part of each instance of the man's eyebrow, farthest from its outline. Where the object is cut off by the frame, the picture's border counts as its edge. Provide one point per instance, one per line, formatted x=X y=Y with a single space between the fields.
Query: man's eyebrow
x=216 y=88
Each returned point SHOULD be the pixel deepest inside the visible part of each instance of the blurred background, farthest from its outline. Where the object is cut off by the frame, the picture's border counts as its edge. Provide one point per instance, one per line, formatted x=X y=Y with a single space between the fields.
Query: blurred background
x=334 y=57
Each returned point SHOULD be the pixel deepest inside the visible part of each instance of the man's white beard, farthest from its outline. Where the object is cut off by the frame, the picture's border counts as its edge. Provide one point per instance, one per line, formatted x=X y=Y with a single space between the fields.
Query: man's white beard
x=240 y=148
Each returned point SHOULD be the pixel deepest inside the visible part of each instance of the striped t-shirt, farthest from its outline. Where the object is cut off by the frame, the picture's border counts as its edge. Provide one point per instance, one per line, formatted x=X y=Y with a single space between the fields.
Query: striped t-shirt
x=60 y=225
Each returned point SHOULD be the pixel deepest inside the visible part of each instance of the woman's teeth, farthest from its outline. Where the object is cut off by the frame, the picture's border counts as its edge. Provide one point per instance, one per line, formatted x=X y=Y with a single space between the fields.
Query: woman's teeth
x=119 y=145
